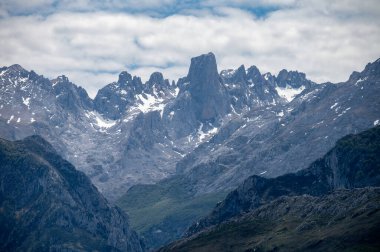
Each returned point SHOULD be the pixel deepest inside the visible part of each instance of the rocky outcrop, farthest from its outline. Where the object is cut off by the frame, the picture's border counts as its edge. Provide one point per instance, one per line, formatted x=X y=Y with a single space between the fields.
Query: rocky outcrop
x=202 y=97
x=236 y=84
x=113 y=100
x=371 y=73
x=261 y=90
x=158 y=86
x=206 y=90
x=47 y=205
x=71 y=97
x=293 y=79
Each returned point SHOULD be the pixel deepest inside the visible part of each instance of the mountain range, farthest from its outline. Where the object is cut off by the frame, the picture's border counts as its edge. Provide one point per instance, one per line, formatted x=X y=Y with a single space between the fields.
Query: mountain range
x=167 y=152
x=152 y=125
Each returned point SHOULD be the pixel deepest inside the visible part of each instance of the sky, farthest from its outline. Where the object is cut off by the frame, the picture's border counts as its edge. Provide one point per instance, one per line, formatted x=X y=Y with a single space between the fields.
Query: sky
x=92 y=41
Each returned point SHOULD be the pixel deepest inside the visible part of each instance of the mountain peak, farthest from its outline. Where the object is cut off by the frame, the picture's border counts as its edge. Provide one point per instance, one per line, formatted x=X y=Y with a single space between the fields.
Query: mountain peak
x=203 y=66
x=371 y=71
x=231 y=75
x=70 y=96
x=156 y=77
x=373 y=67
x=254 y=73
x=60 y=79
x=240 y=73
x=293 y=79
x=63 y=78
x=16 y=68
x=157 y=83
x=124 y=77
x=206 y=88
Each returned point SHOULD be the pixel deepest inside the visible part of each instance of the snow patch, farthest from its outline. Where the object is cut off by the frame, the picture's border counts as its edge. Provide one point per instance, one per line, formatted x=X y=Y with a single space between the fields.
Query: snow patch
x=3 y=72
x=360 y=80
x=100 y=121
x=333 y=106
x=23 y=79
x=204 y=135
x=377 y=122
x=261 y=173
x=288 y=92
x=150 y=103
x=176 y=91
x=171 y=114
x=179 y=153
x=26 y=101
x=10 y=119
x=233 y=110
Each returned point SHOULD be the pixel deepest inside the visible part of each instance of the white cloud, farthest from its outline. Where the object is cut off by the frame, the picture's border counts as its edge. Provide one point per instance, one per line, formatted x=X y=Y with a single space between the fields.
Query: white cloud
x=325 y=40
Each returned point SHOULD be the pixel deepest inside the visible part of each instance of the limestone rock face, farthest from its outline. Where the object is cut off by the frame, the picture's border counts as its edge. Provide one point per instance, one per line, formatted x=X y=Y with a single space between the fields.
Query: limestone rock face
x=203 y=90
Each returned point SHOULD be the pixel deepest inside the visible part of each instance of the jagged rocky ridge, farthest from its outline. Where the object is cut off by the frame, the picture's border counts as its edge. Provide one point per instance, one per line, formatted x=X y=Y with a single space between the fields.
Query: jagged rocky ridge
x=354 y=162
x=107 y=137
x=64 y=114
x=47 y=205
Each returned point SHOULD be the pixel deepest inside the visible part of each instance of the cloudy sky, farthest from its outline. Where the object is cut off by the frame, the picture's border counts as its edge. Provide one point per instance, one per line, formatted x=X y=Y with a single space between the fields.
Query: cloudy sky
x=91 y=41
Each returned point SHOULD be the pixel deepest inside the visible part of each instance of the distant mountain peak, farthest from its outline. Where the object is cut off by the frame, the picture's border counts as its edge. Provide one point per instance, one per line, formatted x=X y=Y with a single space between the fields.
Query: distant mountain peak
x=240 y=74
x=253 y=73
x=15 y=71
x=70 y=96
x=292 y=79
x=156 y=77
x=63 y=78
x=371 y=71
x=203 y=66
x=124 y=77
x=60 y=79
x=157 y=80
x=206 y=89
x=16 y=67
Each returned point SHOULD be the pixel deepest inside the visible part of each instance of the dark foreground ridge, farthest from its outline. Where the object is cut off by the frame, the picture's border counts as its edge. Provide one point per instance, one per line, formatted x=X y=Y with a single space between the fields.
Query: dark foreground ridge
x=354 y=162
x=316 y=209
x=47 y=205
x=346 y=220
